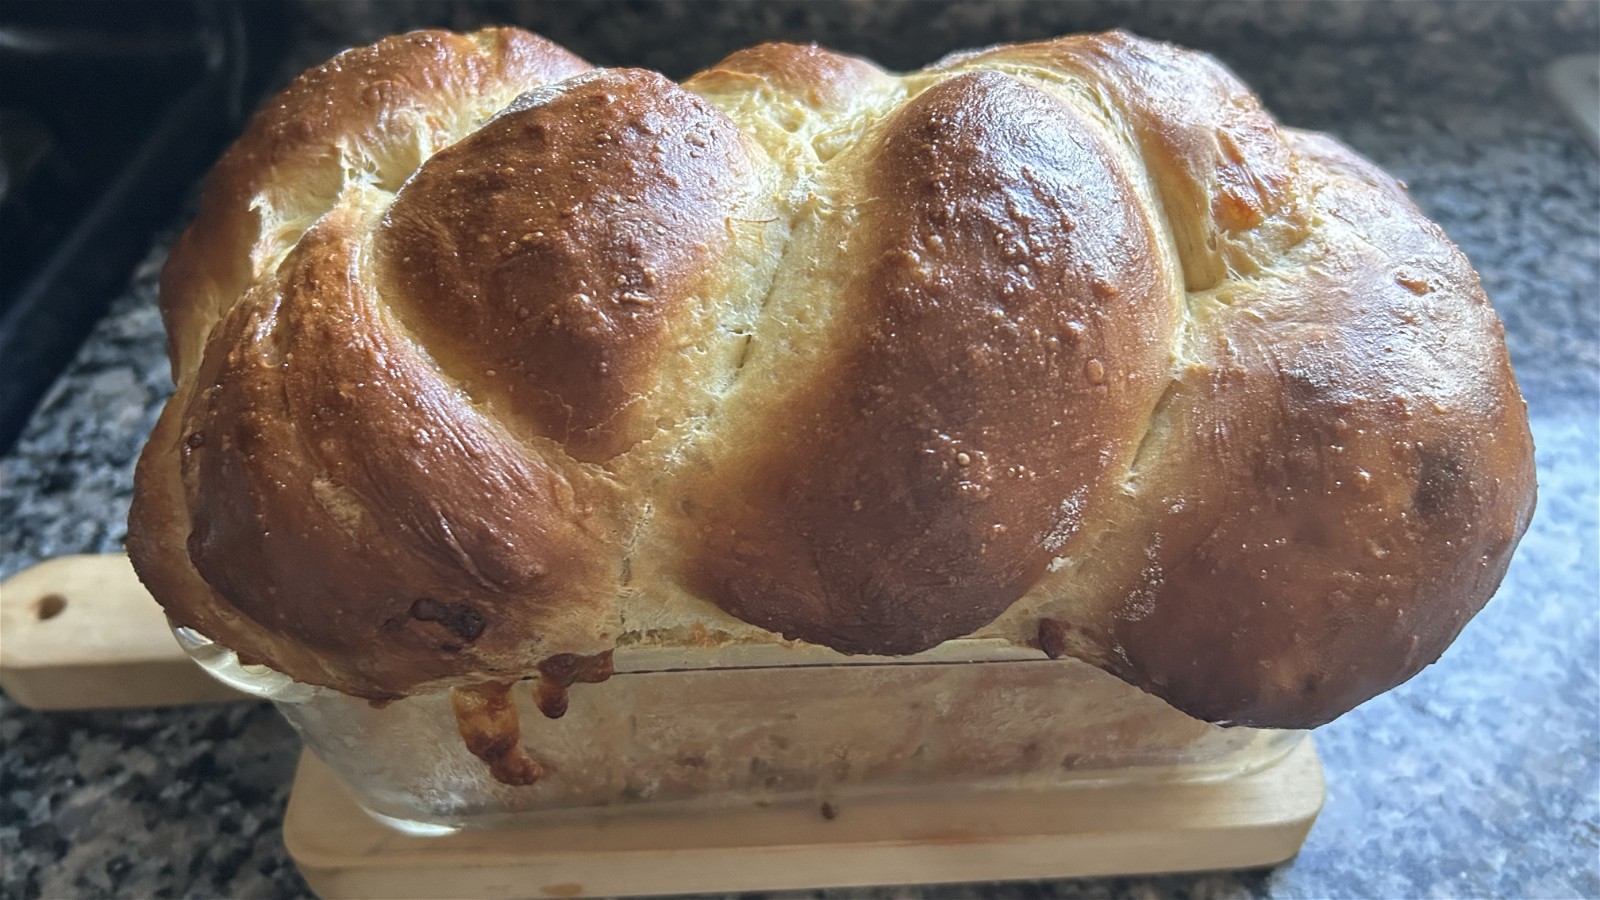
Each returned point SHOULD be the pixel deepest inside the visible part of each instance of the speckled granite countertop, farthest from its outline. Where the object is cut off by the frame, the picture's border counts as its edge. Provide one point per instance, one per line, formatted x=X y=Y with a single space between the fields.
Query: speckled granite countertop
x=1480 y=777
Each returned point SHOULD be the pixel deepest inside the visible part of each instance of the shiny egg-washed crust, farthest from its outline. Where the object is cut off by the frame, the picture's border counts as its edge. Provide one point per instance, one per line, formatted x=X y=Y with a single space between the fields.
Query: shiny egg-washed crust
x=485 y=356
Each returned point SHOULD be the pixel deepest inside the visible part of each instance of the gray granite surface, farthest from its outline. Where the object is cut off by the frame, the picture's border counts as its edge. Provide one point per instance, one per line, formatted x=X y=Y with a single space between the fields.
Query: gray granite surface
x=1481 y=777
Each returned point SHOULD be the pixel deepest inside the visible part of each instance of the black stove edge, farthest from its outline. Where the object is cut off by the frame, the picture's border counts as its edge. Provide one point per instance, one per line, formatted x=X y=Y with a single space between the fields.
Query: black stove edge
x=55 y=310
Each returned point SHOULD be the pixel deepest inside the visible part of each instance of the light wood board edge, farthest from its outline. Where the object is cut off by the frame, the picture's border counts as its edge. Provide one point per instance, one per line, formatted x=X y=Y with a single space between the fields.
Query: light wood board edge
x=80 y=632
x=935 y=835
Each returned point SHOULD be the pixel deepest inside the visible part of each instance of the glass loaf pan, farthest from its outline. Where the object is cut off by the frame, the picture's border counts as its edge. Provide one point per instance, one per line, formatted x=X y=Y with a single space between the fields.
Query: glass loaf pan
x=702 y=728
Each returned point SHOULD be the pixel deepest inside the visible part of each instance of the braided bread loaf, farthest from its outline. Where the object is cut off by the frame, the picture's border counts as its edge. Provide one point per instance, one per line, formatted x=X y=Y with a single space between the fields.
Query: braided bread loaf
x=485 y=357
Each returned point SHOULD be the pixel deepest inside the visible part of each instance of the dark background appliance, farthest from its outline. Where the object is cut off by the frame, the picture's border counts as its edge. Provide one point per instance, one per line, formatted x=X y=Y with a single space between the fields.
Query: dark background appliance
x=109 y=112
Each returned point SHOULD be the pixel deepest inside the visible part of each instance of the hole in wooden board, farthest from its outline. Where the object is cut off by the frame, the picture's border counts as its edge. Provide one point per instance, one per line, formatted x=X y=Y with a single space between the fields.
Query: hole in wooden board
x=49 y=606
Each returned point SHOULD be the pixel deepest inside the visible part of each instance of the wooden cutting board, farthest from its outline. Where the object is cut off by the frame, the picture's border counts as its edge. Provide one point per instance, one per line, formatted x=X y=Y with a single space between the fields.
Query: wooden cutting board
x=939 y=835
x=80 y=632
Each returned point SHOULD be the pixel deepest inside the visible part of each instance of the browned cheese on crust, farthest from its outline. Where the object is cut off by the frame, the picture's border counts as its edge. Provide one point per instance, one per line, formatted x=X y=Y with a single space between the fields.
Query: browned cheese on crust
x=489 y=362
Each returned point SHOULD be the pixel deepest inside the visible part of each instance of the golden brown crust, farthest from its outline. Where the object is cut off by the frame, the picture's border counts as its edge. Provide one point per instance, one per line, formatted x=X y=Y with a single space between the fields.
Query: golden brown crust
x=550 y=277
x=384 y=108
x=1220 y=170
x=818 y=79
x=1002 y=217
x=1372 y=471
x=1064 y=343
x=346 y=499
